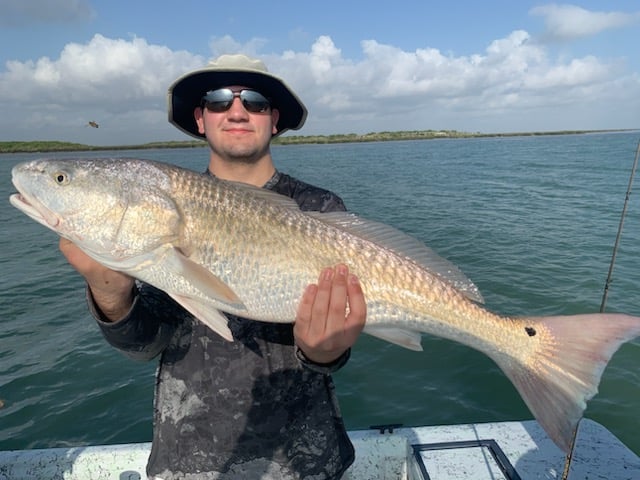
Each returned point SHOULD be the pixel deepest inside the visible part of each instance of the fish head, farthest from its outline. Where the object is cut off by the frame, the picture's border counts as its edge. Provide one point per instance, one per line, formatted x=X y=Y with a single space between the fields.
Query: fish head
x=109 y=208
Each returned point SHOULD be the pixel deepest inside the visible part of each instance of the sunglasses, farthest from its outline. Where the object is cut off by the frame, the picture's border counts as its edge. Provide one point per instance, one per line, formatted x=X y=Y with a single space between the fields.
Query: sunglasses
x=220 y=100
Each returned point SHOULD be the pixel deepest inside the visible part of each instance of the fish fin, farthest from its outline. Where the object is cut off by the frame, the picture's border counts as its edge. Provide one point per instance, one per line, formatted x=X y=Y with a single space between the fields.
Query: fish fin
x=195 y=288
x=206 y=282
x=187 y=275
x=405 y=246
x=563 y=372
x=405 y=338
x=212 y=318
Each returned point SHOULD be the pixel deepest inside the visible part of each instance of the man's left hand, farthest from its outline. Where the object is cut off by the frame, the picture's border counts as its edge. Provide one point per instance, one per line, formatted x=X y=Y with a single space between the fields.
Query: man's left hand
x=331 y=315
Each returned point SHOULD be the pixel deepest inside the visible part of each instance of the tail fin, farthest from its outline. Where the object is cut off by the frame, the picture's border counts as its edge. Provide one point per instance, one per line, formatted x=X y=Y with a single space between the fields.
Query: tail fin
x=564 y=371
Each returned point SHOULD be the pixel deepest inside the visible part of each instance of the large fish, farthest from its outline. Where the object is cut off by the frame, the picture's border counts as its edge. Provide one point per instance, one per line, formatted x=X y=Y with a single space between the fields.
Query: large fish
x=215 y=246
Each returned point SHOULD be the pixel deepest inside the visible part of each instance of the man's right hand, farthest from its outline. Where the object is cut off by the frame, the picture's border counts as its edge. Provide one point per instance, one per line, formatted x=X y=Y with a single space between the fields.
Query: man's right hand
x=112 y=291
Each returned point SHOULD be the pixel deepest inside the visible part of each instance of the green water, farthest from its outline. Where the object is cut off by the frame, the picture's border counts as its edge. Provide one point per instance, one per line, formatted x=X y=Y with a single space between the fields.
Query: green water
x=532 y=220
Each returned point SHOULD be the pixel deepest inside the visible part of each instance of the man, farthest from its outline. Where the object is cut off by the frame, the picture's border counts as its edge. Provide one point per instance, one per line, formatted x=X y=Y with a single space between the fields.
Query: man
x=262 y=406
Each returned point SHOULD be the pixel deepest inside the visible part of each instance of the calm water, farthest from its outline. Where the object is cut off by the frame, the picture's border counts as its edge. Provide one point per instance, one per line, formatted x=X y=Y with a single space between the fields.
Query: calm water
x=532 y=220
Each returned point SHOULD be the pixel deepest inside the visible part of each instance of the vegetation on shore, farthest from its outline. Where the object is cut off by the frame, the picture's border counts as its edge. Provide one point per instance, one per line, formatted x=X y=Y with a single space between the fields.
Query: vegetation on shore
x=56 y=146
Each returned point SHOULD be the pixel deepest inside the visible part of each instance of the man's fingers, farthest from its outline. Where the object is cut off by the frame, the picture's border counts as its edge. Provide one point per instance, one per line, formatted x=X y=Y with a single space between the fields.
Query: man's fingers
x=303 y=315
x=338 y=302
x=357 y=304
x=321 y=303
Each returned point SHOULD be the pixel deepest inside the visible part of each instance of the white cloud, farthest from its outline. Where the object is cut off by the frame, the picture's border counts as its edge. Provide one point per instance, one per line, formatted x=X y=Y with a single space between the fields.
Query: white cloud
x=100 y=80
x=26 y=12
x=100 y=71
x=228 y=45
x=514 y=84
x=566 y=22
x=391 y=88
x=394 y=80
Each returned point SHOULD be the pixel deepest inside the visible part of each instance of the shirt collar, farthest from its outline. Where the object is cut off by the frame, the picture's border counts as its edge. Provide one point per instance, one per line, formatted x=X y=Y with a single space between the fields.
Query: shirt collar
x=269 y=185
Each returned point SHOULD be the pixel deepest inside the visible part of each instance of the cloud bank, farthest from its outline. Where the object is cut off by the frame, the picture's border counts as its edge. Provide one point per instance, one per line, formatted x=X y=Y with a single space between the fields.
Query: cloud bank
x=514 y=84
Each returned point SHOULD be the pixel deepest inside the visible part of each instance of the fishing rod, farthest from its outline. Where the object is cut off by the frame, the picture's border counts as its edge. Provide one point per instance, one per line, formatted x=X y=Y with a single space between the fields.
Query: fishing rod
x=615 y=247
x=569 y=457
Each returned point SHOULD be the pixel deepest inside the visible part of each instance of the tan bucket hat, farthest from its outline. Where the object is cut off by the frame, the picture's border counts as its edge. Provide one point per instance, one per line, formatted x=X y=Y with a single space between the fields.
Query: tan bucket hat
x=187 y=91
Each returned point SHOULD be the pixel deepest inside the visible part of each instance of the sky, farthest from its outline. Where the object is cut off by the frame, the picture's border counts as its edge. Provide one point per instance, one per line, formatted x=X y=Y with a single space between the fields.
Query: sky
x=359 y=66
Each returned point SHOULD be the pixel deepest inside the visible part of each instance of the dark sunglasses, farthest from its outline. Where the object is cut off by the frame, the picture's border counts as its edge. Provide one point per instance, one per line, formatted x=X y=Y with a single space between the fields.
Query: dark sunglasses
x=220 y=100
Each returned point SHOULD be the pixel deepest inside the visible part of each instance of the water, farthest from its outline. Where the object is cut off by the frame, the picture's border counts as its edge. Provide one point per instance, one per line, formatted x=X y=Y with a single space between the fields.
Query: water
x=532 y=220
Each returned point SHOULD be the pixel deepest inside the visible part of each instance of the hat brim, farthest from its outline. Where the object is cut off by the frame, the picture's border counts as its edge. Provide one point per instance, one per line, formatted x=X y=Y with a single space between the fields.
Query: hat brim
x=186 y=93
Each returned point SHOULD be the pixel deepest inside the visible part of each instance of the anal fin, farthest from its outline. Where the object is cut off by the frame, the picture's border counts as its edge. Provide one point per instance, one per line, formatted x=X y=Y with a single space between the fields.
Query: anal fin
x=404 y=338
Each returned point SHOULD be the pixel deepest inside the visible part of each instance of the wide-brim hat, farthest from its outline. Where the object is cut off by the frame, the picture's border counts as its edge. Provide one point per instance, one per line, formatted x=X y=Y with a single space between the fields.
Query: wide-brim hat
x=187 y=91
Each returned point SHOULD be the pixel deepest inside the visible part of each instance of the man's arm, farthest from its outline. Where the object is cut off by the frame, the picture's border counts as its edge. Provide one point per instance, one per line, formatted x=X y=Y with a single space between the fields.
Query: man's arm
x=111 y=291
x=139 y=323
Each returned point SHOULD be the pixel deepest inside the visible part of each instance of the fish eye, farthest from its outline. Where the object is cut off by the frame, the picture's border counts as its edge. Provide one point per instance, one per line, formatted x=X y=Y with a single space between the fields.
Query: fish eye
x=61 y=178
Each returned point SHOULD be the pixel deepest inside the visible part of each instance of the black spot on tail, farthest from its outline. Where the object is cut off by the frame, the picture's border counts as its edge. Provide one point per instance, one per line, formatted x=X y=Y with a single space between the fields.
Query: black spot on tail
x=530 y=331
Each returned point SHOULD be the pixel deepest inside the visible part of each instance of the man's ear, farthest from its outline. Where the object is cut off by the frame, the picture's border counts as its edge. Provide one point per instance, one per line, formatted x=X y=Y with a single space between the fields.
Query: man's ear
x=197 y=114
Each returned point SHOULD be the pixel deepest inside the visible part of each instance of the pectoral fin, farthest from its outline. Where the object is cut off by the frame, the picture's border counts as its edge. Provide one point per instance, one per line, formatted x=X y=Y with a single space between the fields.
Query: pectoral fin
x=168 y=269
x=203 y=280
x=191 y=285
x=212 y=318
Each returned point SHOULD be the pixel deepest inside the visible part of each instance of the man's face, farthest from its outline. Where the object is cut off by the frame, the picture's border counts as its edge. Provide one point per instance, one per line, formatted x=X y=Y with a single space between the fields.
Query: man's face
x=236 y=133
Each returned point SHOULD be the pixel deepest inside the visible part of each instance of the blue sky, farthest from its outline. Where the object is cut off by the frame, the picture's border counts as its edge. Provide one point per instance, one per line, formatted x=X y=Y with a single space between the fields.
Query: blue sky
x=493 y=66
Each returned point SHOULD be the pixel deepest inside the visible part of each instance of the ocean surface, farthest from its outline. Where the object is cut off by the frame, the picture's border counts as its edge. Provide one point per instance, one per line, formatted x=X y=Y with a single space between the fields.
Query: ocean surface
x=531 y=220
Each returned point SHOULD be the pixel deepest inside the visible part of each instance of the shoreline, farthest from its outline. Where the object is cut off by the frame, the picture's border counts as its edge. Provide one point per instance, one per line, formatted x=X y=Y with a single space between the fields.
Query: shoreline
x=58 y=146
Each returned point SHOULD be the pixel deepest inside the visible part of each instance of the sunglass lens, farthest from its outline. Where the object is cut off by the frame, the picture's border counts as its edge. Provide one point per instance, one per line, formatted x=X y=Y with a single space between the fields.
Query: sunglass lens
x=254 y=102
x=218 y=100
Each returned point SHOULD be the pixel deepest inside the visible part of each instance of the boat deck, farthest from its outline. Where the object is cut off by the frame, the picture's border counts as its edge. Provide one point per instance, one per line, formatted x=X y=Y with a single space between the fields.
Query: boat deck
x=485 y=451
x=490 y=451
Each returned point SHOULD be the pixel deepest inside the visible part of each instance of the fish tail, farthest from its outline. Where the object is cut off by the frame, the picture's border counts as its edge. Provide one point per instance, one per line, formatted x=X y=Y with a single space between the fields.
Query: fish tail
x=562 y=370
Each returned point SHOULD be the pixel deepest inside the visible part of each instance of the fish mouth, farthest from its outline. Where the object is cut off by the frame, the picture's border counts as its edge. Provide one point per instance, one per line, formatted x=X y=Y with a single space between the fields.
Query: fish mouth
x=35 y=210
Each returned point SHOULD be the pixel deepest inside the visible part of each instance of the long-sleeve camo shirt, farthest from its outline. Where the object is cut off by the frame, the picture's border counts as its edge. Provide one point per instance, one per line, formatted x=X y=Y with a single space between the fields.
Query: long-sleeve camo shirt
x=248 y=409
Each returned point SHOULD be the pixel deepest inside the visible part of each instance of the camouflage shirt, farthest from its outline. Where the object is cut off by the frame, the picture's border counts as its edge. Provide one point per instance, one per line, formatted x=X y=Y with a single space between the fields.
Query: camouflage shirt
x=252 y=408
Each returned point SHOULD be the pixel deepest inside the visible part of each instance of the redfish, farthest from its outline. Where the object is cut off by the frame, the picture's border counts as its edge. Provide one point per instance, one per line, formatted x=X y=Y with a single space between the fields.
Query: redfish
x=216 y=246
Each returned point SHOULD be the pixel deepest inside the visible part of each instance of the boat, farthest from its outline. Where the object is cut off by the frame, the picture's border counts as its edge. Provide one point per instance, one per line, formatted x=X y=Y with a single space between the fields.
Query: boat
x=518 y=450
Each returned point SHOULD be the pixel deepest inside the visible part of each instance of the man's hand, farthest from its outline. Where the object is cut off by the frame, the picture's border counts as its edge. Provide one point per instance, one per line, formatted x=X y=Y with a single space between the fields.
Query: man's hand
x=330 y=316
x=112 y=291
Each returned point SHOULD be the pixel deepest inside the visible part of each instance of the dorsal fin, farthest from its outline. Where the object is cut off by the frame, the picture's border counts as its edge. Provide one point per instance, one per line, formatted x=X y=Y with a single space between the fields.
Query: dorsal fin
x=403 y=245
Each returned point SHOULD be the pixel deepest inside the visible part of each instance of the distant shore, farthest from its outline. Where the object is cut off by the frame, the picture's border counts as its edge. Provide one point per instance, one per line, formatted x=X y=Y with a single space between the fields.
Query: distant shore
x=56 y=146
